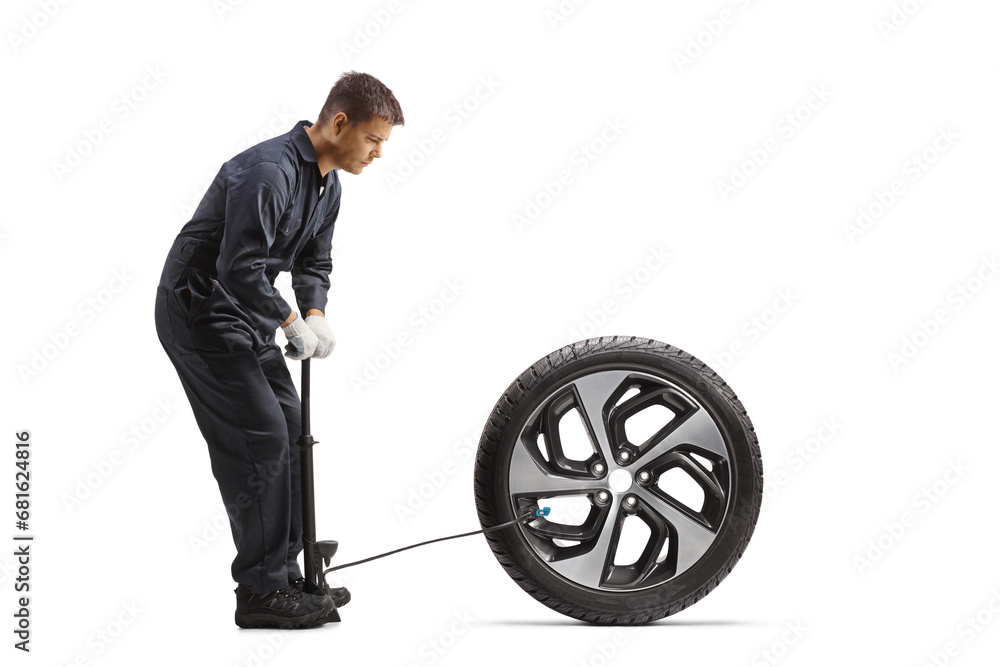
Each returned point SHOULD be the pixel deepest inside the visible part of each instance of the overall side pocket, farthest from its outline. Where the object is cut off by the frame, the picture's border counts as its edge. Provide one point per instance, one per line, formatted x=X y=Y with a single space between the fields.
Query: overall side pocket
x=195 y=292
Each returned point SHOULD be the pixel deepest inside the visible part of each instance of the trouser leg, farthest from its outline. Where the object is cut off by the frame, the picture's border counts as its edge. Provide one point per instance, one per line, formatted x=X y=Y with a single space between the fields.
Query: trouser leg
x=243 y=423
x=276 y=371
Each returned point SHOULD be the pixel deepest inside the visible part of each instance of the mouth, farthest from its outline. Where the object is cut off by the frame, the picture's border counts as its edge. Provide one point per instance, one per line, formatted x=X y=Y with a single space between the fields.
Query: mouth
x=365 y=163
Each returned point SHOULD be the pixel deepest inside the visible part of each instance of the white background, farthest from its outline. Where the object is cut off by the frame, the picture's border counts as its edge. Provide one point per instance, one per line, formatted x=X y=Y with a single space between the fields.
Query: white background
x=848 y=550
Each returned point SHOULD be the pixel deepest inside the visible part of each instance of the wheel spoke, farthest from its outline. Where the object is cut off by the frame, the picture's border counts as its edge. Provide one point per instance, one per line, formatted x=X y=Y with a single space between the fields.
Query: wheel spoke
x=526 y=478
x=693 y=538
x=589 y=569
x=707 y=481
x=697 y=429
x=594 y=391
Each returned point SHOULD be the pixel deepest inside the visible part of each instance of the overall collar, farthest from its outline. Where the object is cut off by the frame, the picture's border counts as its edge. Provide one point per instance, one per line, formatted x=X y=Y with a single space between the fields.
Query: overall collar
x=308 y=152
x=302 y=141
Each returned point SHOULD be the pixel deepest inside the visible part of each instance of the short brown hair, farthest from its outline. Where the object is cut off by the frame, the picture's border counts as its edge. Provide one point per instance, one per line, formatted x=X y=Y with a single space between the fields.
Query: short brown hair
x=361 y=96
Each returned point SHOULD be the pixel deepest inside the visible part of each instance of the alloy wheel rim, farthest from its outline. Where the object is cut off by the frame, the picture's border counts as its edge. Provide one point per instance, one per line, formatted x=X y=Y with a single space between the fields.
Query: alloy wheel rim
x=587 y=551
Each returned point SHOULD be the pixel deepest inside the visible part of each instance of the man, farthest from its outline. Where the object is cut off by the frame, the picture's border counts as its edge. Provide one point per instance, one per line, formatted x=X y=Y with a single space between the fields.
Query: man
x=271 y=208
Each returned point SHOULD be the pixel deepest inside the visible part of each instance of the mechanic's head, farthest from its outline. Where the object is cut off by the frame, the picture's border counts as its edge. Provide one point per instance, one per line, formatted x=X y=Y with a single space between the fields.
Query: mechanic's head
x=356 y=119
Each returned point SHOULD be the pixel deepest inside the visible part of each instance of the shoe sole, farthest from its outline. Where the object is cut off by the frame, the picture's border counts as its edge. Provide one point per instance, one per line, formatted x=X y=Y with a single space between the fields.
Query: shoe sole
x=252 y=622
x=332 y=617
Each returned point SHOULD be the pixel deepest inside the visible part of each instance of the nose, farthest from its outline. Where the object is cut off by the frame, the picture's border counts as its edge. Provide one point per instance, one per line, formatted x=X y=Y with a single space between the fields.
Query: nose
x=377 y=152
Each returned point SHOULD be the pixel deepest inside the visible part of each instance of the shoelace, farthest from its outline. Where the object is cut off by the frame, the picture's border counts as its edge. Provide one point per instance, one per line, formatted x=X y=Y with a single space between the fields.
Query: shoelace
x=291 y=592
x=287 y=593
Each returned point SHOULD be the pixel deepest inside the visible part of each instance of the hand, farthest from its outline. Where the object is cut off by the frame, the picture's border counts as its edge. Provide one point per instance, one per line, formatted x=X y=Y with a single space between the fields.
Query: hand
x=302 y=341
x=321 y=328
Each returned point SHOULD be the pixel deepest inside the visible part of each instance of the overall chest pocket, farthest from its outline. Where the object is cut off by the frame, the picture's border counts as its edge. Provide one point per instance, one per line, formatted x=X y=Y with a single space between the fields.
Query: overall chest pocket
x=284 y=238
x=289 y=223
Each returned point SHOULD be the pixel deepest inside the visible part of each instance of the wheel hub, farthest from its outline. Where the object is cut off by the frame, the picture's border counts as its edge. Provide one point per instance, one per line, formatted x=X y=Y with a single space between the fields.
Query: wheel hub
x=620 y=480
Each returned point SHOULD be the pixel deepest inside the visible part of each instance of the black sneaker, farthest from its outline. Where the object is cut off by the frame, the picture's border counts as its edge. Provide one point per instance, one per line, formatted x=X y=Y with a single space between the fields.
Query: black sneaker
x=291 y=607
x=340 y=597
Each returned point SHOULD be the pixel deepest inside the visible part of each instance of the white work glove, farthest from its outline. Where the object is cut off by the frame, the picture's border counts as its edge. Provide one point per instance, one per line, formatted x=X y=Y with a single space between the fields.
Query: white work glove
x=321 y=328
x=302 y=341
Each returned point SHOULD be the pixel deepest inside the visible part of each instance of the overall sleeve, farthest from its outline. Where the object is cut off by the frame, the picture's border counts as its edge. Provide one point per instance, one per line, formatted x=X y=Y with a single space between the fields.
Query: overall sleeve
x=255 y=199
x=311 y=270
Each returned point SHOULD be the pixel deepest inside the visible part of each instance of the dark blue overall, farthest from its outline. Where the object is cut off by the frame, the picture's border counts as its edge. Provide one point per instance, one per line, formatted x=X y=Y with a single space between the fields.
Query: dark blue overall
x=217 y=313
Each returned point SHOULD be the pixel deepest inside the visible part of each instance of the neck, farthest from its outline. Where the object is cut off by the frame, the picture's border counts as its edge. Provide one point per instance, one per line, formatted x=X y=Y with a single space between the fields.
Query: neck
x=323 y=148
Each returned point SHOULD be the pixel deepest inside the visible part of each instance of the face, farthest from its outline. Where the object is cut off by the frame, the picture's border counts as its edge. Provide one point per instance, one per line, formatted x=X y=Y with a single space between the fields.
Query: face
x=356 y=146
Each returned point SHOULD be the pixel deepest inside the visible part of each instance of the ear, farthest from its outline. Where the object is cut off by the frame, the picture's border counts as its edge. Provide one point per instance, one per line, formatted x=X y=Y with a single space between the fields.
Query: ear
x=339 y=123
